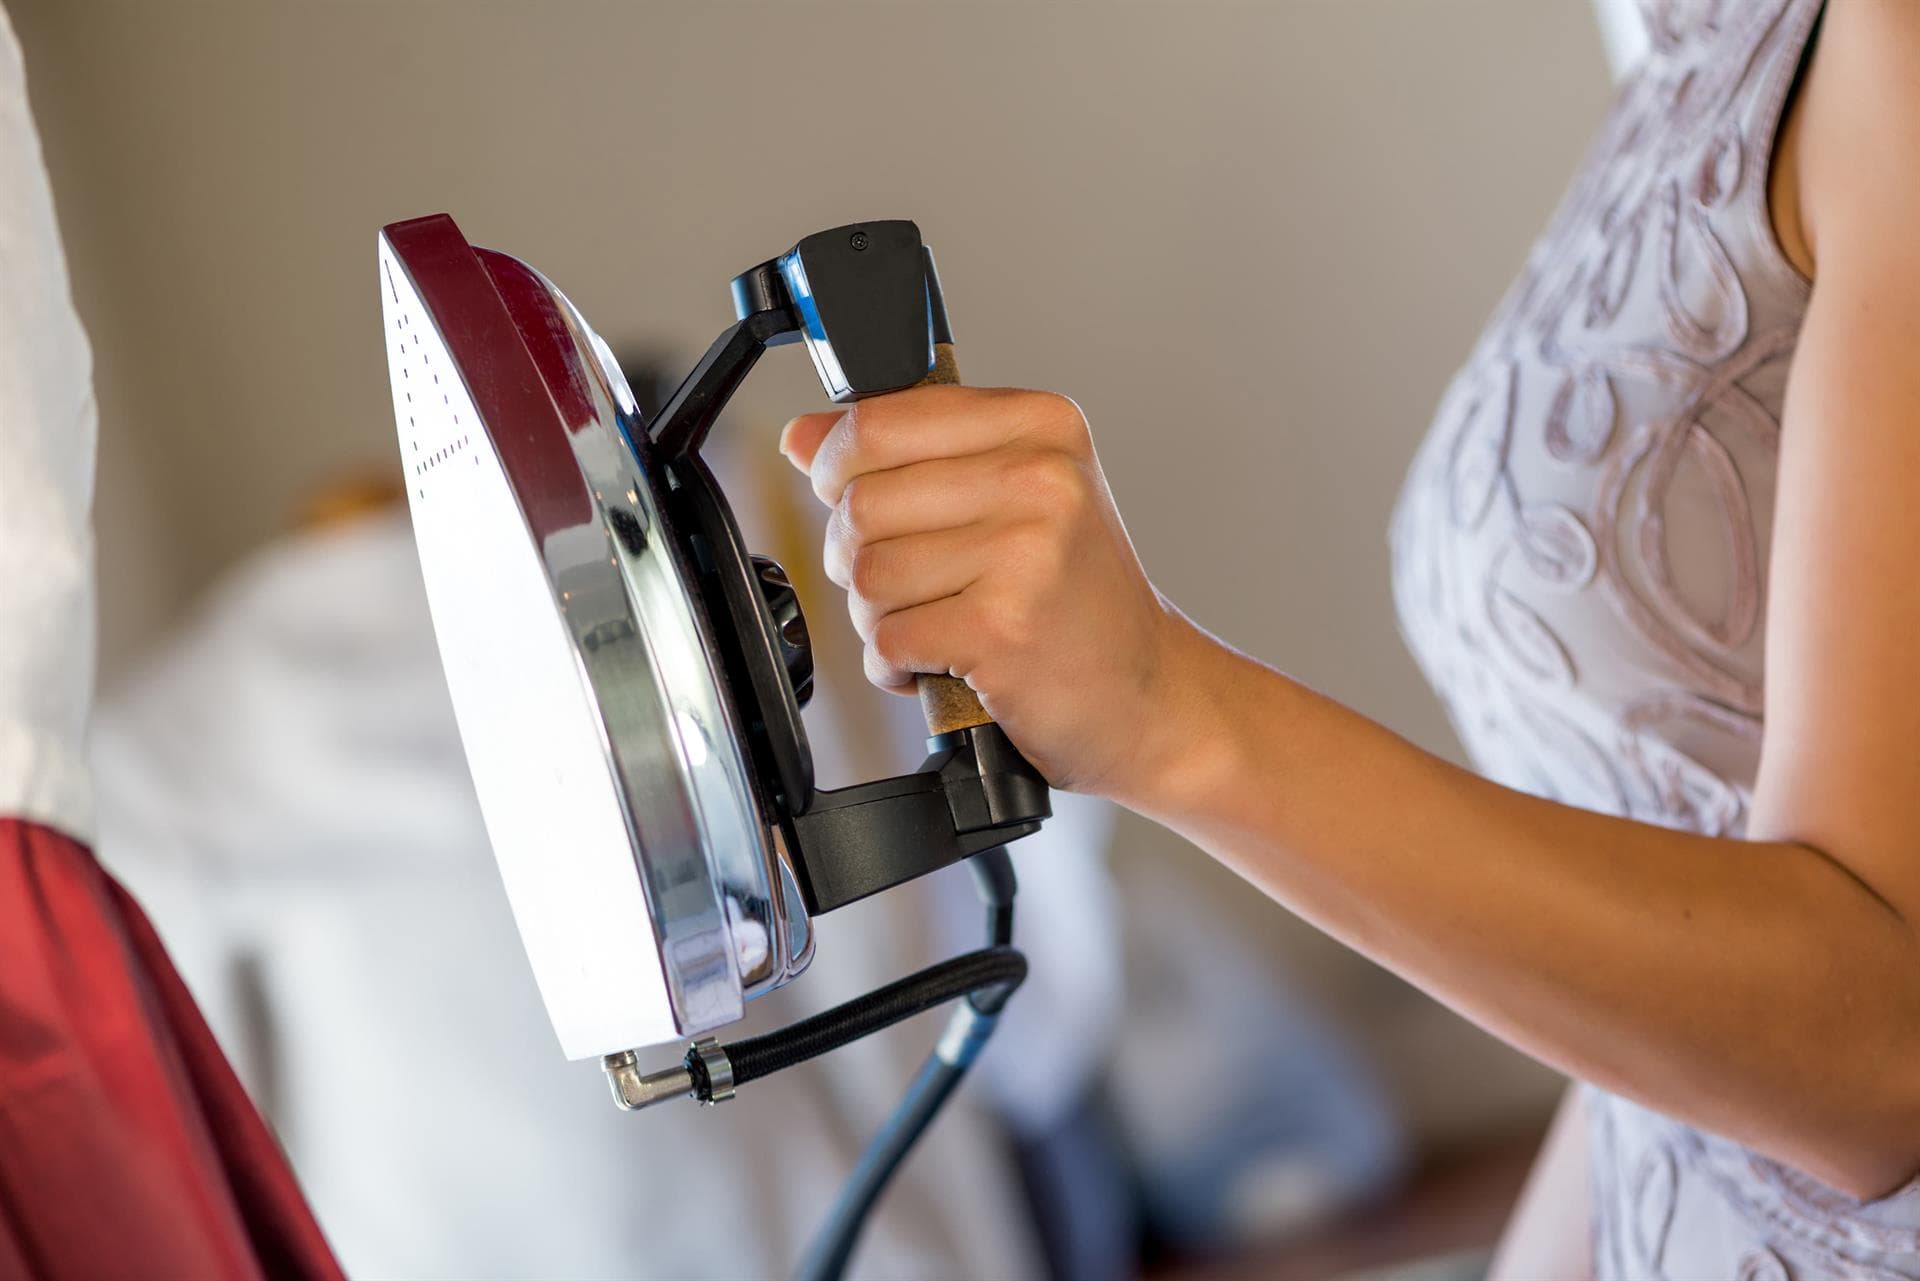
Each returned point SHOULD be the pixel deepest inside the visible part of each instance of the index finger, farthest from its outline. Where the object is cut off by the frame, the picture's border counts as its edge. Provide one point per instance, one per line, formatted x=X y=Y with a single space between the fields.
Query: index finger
x=904 y=427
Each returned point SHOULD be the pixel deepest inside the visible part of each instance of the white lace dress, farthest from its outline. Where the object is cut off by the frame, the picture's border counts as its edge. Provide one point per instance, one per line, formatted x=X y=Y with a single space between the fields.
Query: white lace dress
x=1580 y=559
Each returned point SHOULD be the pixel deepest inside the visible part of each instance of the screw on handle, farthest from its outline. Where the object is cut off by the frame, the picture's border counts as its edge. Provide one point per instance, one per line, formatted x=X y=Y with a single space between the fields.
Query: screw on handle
x=947 y=702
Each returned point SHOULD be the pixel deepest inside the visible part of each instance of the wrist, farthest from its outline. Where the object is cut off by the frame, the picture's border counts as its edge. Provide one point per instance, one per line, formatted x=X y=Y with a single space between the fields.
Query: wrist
x=1185 y=744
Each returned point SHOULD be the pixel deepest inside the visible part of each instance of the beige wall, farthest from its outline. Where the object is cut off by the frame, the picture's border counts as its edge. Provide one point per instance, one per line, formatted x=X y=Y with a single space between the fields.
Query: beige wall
x=1251 y=239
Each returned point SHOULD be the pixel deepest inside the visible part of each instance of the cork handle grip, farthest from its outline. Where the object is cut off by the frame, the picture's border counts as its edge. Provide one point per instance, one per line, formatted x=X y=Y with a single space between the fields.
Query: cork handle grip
x=947 y=702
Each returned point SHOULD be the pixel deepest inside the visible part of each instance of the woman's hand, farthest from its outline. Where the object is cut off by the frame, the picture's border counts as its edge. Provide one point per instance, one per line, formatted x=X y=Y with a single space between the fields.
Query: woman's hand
x=975 y=536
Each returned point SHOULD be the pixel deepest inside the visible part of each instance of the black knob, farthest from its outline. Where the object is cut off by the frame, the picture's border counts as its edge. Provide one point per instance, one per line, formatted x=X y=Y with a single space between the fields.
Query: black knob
x=789 y=625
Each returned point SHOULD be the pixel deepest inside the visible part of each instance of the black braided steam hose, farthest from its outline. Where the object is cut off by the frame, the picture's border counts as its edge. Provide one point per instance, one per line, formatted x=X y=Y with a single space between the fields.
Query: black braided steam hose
x=991 y=970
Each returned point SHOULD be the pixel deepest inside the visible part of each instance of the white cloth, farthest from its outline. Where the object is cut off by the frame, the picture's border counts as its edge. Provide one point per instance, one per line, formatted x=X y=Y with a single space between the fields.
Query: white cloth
x=1623 y=30
x=48 y=425
x=284 y=787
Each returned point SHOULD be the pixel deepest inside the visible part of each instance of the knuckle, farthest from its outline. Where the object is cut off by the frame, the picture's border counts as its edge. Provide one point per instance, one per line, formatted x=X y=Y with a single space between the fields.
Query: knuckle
x=1053 y=481
x=1075 y=498
x=1029 y=546
x=1060 y=417
x=1003 y=621
x=1006 y=633
x=890 y=642
x=856 y=506
x=833 y=558
x=825 y=478
x=870 y=427
x=866 y=571
x=1025 y=473
x=864 y=618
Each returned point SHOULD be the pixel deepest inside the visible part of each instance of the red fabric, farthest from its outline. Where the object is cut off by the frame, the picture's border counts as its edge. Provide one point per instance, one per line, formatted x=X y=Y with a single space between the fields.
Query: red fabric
x=127 y=1146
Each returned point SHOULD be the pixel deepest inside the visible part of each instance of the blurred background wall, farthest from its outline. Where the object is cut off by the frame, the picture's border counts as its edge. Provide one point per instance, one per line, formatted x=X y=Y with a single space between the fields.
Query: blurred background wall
x=1251 y=239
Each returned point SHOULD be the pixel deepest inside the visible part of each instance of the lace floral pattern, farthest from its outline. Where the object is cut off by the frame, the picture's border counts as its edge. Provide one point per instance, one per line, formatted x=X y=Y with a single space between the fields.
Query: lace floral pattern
x=1580 y=559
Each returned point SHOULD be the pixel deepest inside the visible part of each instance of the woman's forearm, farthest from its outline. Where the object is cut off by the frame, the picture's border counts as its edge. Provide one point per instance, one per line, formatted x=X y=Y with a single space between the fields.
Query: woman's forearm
x=1756 y=989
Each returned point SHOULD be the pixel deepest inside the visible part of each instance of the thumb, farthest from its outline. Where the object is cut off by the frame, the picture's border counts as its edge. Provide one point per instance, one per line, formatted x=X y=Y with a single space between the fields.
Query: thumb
x=800 y=439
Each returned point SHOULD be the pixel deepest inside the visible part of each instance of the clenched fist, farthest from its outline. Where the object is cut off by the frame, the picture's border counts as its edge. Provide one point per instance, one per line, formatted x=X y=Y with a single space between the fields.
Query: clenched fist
x=975 y=536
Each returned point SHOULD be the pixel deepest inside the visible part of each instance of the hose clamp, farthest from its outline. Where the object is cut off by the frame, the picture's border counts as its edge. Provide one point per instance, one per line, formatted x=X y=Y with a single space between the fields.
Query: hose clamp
x=716 y=1067
x=966 y=1035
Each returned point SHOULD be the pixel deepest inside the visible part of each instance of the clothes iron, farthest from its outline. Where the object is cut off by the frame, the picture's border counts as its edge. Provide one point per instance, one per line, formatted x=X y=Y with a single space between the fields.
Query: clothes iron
x=628 y=679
